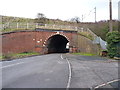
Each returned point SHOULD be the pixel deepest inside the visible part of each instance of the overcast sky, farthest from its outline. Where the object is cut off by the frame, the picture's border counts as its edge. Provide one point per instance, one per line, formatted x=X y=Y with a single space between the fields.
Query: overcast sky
x=59 y=9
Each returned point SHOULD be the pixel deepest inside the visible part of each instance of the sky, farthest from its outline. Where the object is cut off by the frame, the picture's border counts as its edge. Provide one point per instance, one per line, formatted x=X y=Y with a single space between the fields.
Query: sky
x=60 y=9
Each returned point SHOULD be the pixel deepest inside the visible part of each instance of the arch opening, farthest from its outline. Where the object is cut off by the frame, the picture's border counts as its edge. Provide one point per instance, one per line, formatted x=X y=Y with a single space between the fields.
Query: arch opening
x=57 y=44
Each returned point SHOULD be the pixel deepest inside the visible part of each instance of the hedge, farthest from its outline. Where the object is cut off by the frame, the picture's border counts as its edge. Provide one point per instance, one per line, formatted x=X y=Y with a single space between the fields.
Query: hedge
x=113 y=41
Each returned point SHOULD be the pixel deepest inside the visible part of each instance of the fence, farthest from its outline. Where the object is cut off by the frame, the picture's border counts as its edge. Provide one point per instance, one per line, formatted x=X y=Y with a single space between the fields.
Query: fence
x=35 y=25
x=18 y=26
x=31 y=26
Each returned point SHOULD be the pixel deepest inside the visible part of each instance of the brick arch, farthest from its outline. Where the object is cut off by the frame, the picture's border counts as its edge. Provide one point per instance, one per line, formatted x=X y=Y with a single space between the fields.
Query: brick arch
x=45 y=41
x=33 y=41
x=57 y=43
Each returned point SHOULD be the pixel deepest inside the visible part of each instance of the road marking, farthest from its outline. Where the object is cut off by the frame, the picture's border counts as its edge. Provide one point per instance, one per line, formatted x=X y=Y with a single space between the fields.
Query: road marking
x=17 y=63
x=12 y=65
x=62 y=57
x=106 y=83
x=70 y=73
x=113 y=81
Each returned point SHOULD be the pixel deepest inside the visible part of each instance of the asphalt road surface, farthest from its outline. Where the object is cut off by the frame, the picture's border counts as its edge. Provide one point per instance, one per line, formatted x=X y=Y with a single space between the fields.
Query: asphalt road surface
x=60 y=71
x=93 y=72
x=46 y=71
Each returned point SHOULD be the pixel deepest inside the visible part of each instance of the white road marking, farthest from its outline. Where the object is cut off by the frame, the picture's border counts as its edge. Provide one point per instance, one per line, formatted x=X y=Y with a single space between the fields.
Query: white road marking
x=107 y=83
x=61 y=57
x=12 y=65
x=70 y=73
x=15 y=64
x=113 y=81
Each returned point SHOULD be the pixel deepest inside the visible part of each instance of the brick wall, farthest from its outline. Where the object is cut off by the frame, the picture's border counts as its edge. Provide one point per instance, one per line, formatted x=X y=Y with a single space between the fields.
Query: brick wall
x=29 y=41
x=18 y=42
x=86 y=45
x=35 y=41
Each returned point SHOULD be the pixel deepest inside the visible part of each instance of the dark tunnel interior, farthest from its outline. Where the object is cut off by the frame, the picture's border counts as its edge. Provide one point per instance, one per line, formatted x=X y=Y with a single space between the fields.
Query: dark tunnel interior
x=57 y=44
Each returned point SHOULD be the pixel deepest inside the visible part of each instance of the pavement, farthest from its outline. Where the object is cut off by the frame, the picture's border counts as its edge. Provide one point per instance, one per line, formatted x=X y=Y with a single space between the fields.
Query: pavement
x=60 y=71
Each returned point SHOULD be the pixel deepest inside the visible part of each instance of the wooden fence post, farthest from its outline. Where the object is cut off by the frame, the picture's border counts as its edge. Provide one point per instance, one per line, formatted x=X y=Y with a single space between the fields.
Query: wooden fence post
x=27 y=25
x=17 y=25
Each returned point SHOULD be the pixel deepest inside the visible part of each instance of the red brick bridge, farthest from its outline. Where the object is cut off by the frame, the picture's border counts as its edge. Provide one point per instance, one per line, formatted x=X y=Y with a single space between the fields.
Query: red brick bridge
x=40 y=40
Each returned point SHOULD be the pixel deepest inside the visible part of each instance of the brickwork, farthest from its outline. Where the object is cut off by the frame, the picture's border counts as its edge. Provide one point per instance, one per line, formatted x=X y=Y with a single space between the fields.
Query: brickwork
x=35 y=41
x=86 y=45
x=29 y=41
x=18 y=42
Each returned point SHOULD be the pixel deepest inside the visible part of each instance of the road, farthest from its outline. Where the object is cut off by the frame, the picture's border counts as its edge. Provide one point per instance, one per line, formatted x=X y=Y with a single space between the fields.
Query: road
x=45 y=71
x=60 y=71
x=93 y=72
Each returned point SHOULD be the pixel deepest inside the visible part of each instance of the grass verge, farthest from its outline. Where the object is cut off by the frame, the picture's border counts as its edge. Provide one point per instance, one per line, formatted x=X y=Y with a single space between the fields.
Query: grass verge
x=87 y=35
x=0 y=57
x=19 y=29
x=18 y=55
x=84 y=54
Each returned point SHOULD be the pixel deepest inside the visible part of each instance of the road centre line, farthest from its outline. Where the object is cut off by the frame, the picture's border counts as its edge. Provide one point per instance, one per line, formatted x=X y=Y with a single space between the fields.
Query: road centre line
x=61 y=56
x=70 y=73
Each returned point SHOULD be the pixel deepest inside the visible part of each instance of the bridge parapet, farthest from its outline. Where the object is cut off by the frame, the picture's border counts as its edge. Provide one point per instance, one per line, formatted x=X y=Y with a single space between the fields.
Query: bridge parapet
x=21 y=26
x=11 y=26
x=57 y=27
x=30 y=26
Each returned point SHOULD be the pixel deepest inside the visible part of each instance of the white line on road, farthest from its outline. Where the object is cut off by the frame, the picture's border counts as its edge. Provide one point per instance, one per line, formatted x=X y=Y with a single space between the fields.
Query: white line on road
x=61 y=56
x=106 y=83
x=70 y=73
x=12 y=65
x=15 y=64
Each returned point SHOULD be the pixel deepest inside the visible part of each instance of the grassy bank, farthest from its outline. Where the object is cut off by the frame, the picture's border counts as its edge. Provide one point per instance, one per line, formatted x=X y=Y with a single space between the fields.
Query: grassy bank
x=0 y=57
x=87 y=35
x=18 y=55
x=84 y=54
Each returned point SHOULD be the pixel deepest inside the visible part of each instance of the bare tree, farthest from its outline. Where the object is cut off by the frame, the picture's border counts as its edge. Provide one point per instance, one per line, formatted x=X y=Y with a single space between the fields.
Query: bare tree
x=40 y=15
x=41 y=19
x=76 y=19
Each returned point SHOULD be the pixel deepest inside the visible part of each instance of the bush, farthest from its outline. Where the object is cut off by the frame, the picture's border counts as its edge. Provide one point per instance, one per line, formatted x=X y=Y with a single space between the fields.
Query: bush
x=113 y=41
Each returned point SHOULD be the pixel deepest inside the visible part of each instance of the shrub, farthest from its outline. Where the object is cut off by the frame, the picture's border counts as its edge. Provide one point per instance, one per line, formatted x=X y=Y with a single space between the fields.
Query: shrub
x=113 y=41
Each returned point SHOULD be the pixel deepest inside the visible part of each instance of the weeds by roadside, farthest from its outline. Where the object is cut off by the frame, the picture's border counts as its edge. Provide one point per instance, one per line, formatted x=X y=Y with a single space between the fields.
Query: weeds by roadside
x=85 y=54
x=18 y=55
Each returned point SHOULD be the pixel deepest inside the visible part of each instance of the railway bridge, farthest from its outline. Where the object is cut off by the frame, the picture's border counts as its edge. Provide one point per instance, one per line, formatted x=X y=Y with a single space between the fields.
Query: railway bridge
x=39 y=40
x=46 y=41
